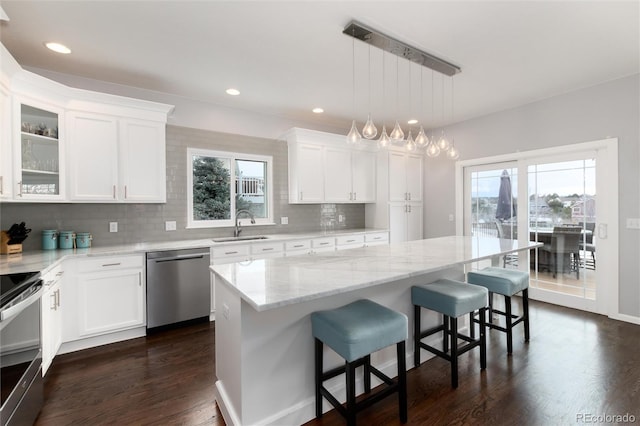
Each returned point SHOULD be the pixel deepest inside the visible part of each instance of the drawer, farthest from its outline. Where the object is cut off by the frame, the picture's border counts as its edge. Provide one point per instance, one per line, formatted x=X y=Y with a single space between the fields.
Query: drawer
x=52 y=276
x=110 y=262
x=323 y=242
x=350 y=239
x=298 y=245
x=232 y=250
x=377 y=237
x=266 y=248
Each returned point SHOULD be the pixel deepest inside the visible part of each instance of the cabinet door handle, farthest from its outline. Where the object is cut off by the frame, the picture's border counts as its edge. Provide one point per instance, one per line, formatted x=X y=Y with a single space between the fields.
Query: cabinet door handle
x=53 y=306
x=354 y=196
x=409 y=209
x=125 y=192
x=267 y=249
x=300 y=195
x=57 y=298
x=230 y=252
x=323 y=244
x=298 y=246
x=139 y=279
x=114 y=192
x=111 y=264
x=1 y=184
x=350 y=241
x=20 y=189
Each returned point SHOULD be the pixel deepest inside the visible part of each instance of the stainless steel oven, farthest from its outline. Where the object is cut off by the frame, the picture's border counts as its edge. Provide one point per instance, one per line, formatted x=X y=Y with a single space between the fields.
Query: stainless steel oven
x=20 y=348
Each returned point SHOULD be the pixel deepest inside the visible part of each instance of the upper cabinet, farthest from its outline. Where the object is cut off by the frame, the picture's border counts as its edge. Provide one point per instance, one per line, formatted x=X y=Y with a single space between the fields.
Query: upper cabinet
x=115 y=159
x=405 y=177
x=38 y=152
x=59 y=144
x=322 y=168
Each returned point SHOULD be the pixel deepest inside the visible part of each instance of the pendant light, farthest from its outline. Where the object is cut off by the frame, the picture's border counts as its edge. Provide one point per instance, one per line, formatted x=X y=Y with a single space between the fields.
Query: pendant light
x=353 y=137
x=369 y=130
x=421 y=140
x=453 y=153
x=443 y=142
x=410 y=145
x=384 y=140
x=432 y=147
x=397 y=135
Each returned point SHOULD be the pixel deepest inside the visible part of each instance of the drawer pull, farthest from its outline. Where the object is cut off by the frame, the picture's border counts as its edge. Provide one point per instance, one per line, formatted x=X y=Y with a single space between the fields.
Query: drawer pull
x=350 y=241
x=298 y=245
x=267 y=249
x=324 y=244
x=111 y=264
x=230 y=252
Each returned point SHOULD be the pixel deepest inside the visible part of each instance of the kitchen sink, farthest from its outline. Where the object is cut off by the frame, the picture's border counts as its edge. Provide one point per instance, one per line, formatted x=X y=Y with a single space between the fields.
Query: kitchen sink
x=230 y=239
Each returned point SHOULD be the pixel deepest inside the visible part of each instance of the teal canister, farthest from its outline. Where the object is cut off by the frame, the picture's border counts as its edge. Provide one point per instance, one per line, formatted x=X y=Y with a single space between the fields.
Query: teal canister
x=49 y=239
x=83 y=240
x=66 y=239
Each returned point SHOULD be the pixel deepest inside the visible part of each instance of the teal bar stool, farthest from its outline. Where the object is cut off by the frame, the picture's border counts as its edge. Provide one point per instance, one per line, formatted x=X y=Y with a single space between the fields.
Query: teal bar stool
x=452 y=299
x=354 y=332
x=506 y=282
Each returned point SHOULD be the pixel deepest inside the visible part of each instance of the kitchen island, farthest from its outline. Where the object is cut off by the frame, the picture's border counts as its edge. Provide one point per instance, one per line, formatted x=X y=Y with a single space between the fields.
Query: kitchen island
x=264 y=345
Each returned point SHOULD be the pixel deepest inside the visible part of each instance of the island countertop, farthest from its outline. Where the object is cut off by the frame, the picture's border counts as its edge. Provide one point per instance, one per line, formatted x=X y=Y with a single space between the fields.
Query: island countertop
x=271 y=283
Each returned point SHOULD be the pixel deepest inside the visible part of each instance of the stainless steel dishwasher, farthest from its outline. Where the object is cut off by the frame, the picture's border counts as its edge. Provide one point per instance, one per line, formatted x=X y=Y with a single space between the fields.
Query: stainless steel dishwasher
x=178 y=286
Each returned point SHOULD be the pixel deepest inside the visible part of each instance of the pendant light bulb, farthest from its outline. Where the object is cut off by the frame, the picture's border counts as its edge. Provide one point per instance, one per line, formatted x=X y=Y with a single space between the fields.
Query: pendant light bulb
x=422 y=140
x=443 y=142
x=384 y=141
x=433 y=150
x=353 y=137
x=410 y=145
x=453 y=153
x=397 y=135
x=369 y=130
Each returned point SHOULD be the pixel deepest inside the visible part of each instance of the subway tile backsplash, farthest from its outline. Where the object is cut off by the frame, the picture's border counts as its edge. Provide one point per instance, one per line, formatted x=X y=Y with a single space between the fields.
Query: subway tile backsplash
x=146 y=222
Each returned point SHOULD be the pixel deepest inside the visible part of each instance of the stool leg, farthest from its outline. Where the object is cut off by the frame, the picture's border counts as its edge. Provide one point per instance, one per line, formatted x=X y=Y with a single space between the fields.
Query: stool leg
x=483 y=339
x=509 y=327
x=402 y=381
x=472 y=326
x=318 y=377
x=445 y=337
x=525 y=312
x=350 y=373
x=490 y=307
x=454 y=352
x=367 y=373
x=416 y=335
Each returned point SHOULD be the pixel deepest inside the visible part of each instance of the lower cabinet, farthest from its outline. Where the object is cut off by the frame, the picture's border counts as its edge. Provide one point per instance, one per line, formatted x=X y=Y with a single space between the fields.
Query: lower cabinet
x=51 y=307
x=109 y=297
x=405 y=221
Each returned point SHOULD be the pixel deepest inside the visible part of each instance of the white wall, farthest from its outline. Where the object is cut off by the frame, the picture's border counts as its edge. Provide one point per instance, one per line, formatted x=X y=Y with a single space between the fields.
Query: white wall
x=607 y=110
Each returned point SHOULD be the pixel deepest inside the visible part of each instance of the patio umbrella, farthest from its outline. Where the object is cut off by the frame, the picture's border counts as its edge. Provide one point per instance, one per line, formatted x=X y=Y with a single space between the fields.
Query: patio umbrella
x=506 y=207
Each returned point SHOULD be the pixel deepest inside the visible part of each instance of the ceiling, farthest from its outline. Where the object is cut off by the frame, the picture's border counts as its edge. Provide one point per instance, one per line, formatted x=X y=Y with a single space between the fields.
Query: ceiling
x=289 y=57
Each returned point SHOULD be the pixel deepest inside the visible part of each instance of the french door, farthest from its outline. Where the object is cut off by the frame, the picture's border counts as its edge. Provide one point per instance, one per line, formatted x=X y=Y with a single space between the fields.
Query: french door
x=541 y=196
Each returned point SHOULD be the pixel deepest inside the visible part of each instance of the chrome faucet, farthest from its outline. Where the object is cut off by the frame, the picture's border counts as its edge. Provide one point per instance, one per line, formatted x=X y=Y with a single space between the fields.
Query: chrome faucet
x=238 y=230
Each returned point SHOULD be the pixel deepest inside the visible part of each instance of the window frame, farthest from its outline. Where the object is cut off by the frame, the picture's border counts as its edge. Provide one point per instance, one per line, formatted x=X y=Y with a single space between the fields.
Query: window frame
x=232 y=157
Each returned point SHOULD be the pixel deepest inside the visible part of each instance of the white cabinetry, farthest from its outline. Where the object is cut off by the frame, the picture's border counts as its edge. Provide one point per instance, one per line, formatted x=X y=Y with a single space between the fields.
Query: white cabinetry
x=114 y=159
x=399 y=204
x=323 y=169
x=405 y=221
x=376 y=239
x=405 y=177
x=349 y=176
x=38 y=151
x=51 y=316
x=6 y=180
x=306 y=184
x=108 y=296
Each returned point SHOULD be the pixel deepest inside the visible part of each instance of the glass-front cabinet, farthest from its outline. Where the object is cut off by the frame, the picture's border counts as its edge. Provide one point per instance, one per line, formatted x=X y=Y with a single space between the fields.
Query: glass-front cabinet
x=39 y=159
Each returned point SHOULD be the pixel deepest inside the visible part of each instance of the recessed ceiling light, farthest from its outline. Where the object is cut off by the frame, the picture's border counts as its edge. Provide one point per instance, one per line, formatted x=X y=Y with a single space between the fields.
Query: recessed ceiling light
x=233 y=92
x=59 y=48
x=412 y=121
x=318 y=110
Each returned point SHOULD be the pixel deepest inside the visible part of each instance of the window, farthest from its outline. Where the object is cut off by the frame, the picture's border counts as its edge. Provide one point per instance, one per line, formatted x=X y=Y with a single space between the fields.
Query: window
x=223 y=183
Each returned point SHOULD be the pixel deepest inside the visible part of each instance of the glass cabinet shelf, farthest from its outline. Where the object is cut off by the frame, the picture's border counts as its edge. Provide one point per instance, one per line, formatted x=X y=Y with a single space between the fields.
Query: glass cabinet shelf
x=40 y=152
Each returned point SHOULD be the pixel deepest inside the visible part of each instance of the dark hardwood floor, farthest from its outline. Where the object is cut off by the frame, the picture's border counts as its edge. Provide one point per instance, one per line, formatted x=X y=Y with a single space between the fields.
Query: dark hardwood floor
x=576 y=364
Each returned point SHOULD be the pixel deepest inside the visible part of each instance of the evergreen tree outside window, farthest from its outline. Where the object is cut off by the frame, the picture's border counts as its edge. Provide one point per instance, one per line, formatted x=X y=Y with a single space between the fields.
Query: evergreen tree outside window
x=222 y=183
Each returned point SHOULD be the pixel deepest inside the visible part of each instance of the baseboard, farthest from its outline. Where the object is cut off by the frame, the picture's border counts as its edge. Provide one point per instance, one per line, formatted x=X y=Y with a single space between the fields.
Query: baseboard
x=105 y=339
x=626 y=318
x=226 y=408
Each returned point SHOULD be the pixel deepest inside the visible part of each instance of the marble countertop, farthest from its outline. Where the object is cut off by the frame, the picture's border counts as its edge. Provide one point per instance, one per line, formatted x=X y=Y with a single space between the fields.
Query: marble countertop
x=271 y=283
x=43 y=260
